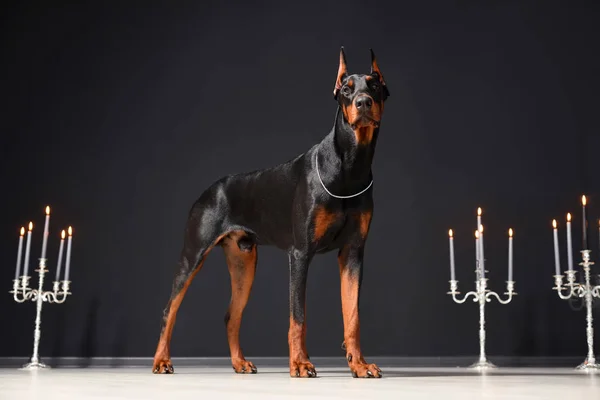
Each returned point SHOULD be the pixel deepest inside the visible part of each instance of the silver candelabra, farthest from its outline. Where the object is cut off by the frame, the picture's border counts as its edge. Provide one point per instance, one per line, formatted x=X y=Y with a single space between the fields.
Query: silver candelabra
x=588 y=292
x=22 y=292
x=481 y=294
x=571 y=289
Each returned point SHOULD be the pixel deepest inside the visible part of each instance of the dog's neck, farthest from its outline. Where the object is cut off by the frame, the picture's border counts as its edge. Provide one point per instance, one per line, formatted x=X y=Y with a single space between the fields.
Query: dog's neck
x=344 y=163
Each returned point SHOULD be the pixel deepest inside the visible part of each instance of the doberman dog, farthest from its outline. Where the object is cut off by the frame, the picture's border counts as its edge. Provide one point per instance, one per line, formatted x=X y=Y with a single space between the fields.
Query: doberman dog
x=320 y=201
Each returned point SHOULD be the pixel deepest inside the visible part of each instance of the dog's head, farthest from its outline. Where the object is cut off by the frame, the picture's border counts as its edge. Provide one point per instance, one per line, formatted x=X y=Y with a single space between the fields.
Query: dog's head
x=361 y=96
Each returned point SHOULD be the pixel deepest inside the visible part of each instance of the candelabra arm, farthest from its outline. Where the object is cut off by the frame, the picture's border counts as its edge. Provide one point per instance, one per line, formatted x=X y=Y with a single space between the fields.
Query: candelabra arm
x=22 y=293
x=454 y=292
x=596 y=291
x=489 y=295
x=18 y=295
x=572 y=287
x=510 y=286
x=57 y=296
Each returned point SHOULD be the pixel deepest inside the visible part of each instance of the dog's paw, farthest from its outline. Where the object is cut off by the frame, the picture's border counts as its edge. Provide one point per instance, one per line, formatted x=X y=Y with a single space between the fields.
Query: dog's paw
x=162 y=367
x=364 y=370
x=302 y=369
x=242 y=366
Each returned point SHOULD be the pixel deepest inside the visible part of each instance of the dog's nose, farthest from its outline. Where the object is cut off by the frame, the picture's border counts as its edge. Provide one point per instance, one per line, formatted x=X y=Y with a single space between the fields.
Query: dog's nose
x=363 y=102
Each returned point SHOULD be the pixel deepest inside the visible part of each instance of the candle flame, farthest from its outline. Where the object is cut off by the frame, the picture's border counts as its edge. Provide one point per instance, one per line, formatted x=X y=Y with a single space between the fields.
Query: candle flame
x=583 y=200
x=30 y=226
x=568 y=217
x=476 y=234
x=22 y=231
x=70 y=230
x=510 y=232
x=450 y=233
x=554 y=223
x=62 y=234
x=481 y=228
x=47 y=210
x=478 y=211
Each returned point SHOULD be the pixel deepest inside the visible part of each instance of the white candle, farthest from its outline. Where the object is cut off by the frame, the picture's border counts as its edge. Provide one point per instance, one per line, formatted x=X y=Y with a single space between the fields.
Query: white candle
x=585 y=224
x=27 y=247
x=556 y=256
x=510 y=255
x=46 y=232
x=19 y=253
x=477 y=248
x=68 y=261
x=60 y=254
x=451 y=240
x=479 y=212
x=569 y=244
x=481 y=252
x=477 y=251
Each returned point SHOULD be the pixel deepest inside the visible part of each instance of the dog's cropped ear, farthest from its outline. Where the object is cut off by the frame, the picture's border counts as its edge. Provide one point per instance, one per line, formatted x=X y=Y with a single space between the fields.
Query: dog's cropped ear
x=342 y=72
x=375 y=70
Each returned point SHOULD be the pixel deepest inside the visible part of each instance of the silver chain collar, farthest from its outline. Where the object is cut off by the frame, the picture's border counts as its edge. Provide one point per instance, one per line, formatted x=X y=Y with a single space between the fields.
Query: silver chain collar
x=334 y=195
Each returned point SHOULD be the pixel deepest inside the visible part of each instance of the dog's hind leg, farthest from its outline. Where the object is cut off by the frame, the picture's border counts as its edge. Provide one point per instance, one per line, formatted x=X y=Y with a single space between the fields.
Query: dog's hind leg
x=241 y=256
x=197 y=244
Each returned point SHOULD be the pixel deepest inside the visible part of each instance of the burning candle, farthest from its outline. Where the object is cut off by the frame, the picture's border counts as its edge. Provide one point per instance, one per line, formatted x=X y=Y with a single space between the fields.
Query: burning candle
x=451 y=242
x=60 y=253
x=510 y=255
x=569 y=243
x=27 y=247
x=19 y=253
x=46 y=232
x=585 y=226
x=556 y=257
x=481 y=252
x=68 y=261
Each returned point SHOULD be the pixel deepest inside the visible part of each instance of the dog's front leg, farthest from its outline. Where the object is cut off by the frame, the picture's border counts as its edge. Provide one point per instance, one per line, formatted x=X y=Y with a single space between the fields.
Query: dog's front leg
x=350 y=259
x=300 y=366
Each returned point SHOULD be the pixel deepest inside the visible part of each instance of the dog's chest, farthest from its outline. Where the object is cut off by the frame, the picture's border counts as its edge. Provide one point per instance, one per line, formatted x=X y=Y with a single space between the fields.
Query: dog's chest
x=332 y=226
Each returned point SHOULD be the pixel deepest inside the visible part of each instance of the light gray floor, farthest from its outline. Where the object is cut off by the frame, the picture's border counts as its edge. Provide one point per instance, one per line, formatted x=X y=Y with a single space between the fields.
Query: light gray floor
x=275 y=383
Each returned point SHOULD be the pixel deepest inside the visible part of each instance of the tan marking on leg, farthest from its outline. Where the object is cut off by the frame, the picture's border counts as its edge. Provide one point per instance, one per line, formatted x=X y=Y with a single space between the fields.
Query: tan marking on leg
x=162 y=357
x=365 y=221
x=349 y=293
x=242 y=269
x=300 y=366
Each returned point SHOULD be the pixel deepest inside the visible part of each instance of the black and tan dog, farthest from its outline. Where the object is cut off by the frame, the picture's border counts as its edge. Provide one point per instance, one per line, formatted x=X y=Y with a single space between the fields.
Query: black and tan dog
x=320 y=201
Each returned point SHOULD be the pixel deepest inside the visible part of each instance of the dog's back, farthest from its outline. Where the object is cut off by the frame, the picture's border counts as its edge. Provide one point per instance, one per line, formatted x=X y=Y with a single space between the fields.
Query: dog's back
x=260 y=203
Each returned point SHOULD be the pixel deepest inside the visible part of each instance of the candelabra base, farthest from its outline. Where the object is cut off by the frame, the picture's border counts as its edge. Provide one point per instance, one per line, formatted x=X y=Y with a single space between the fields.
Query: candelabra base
x=482 y=365
x=586 y=366
x=34 y=366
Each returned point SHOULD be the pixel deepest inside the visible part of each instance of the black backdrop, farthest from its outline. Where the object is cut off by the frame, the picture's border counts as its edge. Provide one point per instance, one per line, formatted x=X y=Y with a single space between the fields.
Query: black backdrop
x=119 y=116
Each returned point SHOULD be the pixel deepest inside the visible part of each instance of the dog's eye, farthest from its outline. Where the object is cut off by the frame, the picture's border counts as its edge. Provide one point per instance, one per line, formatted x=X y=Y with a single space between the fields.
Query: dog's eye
x=346 y=91
x=375 y=86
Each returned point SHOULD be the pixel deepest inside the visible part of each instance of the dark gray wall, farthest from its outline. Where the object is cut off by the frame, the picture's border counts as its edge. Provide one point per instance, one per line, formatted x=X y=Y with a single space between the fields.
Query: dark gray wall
x=119 y=117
